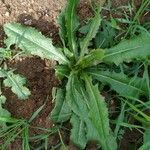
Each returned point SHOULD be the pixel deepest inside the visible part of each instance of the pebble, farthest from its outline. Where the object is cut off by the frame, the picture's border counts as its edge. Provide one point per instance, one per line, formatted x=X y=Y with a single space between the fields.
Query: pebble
x=7 y=14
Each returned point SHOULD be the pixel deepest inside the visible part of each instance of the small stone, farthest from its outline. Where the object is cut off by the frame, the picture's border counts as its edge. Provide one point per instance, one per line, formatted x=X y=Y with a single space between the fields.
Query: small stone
x=7 y=14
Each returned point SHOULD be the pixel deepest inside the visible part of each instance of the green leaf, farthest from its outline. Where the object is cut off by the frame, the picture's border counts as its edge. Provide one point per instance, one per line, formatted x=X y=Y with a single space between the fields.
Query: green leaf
x=93 y=58
x=32 y=42
x=72 y=24
x=121 y=83
x=3 y=112
x=62 y=71
x=146 y=144
x=61 y=111
x=62 y=28
x=114 y=24
x=93 y=28
x=4 y=53
x=16 y=82
x=99 y=116
x=35 y=114
x=119 y=120
x=78 y=132
x=2 y=99
x=78 y=102
x=147 y=135
x=2 y=73
x=105 y=36
x=144 y=116
x=127 y=50
x=76 y=96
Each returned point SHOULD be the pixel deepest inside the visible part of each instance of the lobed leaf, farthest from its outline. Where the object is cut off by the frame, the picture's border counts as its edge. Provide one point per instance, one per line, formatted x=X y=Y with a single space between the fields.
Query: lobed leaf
x=99 y=116
x=72 y=23
x=94 y=24
x=32 y=42
x=78 y=132
x=79 y=100
x=76 y=97
x=61 y=111
x=121 y=83
x=16 y=82
x=127 y=50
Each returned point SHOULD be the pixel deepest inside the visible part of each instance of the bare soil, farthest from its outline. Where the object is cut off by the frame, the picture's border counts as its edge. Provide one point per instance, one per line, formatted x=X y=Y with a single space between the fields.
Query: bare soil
x=41 y=14
x=41 y=80
x=38 y=9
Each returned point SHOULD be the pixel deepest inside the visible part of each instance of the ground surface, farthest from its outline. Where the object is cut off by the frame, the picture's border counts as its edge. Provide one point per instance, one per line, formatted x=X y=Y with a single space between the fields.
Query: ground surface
x=41 y=14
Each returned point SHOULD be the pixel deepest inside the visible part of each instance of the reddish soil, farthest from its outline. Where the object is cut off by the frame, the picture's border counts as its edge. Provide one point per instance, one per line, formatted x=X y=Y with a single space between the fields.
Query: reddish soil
x=130 y=139
x=41 y=80
x=38 y=9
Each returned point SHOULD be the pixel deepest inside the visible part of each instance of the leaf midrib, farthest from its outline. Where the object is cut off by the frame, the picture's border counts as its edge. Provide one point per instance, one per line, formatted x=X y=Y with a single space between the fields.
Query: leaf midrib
x=108 y=77
x=15 y=83
x=86 y=40
x=38 y=45
x=118 y=52
x=100 y=112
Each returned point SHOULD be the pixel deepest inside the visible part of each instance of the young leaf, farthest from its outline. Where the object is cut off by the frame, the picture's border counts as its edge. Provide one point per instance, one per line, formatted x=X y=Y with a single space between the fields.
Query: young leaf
x=72 y=24
x=127 y=50
x=105 y=36
x=61 y=111
x=99 y=116
x=93 y=28
x=16 y=82
x=121 y=83
x=93 y=58
x=62 y=71
x=4 y=53
x=78 y=132
x=78 y=102
x=32 y=42
x=62 y=28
